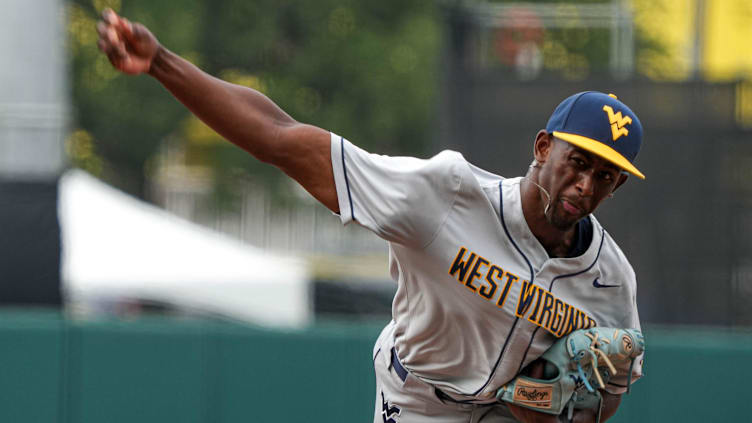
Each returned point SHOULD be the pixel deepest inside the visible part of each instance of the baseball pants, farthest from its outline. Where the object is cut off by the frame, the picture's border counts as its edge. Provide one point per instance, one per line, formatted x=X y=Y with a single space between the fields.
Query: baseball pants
x=403 y=398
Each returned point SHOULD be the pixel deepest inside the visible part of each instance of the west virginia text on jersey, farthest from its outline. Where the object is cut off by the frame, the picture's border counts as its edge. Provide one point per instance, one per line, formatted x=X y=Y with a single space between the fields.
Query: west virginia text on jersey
x=542 y=307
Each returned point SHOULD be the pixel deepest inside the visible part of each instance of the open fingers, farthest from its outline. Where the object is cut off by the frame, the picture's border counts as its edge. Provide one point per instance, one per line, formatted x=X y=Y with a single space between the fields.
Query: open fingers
x=111 y=26
x=115 y=51
x=129 y=46
x=111 y=36
x=109 y=16
x=116 y=57
x=126 y=27
x=110 y=41
x=122 y=25
x=101 y=29
x=102 y=45
x=116 y=29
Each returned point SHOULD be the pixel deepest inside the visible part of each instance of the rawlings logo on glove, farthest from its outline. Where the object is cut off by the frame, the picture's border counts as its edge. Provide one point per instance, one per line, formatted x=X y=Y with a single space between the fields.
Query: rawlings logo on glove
x=536 y=395
x=576 y=366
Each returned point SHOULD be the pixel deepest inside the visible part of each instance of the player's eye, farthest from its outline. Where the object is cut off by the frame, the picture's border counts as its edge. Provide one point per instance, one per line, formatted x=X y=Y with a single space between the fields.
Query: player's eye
x=578 y=161
x=607 y=176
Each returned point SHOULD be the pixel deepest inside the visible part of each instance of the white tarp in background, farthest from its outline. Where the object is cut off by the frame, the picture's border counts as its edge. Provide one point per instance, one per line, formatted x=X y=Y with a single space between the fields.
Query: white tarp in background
x=115 y=246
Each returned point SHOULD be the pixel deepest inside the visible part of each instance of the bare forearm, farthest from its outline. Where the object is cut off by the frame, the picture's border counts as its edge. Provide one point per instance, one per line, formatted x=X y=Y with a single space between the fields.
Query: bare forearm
x=610 y=405
x=242 y=115
x=253 y=122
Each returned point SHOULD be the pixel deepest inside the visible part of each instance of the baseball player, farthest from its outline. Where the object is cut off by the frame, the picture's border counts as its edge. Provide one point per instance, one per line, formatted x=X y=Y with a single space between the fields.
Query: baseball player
x=490 y=271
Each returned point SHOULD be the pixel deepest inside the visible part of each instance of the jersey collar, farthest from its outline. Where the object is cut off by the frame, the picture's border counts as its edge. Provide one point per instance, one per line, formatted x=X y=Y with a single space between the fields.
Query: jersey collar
x=532 y=248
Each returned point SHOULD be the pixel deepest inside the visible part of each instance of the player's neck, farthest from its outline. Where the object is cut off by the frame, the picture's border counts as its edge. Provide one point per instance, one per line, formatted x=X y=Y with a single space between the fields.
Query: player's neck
x=557 y=242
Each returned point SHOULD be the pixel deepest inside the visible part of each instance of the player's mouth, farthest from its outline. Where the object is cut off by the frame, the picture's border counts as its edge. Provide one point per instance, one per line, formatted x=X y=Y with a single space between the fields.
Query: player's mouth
x=571 y=208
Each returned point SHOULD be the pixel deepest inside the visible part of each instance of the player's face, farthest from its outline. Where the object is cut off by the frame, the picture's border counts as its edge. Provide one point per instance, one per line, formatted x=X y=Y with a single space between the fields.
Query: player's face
x=578 y=181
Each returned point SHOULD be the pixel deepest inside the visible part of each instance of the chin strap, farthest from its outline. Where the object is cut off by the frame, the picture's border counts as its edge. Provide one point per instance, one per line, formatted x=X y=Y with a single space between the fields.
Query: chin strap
x=543 y=191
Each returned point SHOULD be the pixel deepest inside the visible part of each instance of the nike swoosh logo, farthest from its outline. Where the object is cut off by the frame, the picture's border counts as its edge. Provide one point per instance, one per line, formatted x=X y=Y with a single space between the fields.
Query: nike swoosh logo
x=600 y=285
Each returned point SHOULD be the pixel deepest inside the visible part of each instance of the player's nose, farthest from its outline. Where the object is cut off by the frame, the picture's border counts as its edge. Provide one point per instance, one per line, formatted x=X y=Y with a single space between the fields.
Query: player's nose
x=585 y=184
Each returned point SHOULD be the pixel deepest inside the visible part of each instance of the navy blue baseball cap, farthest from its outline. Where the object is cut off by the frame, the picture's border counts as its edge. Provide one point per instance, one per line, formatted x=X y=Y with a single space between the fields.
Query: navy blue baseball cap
x=601 y=124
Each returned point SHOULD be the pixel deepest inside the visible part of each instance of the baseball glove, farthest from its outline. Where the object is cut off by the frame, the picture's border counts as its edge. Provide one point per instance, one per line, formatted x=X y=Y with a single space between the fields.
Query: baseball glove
x=575 y=367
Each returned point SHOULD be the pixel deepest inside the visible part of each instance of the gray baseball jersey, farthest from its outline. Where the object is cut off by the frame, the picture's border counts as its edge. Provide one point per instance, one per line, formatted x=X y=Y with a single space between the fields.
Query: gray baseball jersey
x=478 y=297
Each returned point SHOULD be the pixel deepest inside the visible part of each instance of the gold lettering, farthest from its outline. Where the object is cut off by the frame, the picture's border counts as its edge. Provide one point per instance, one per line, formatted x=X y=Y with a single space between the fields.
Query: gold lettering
x=545 y=315
x=527 y=292
x=554 y=327
x=461 y=266
x=475 y=273
x=550 y=312
x=511 y=278
x=565 y=323
x=618 y=123
x=488 y=293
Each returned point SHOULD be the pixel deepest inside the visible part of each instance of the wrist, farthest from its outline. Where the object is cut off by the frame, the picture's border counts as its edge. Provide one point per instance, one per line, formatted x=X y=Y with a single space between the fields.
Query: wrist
x=158 y=61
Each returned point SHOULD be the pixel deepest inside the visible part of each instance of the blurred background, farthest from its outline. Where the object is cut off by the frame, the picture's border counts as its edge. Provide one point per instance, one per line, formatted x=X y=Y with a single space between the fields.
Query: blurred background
x=151 y=271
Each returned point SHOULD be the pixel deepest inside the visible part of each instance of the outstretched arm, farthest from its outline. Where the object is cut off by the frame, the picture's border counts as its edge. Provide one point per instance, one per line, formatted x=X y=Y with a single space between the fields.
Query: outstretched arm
x=242 y=115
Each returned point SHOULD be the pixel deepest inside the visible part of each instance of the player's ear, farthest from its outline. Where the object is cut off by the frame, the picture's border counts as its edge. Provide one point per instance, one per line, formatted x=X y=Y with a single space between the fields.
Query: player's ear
x=544 y=142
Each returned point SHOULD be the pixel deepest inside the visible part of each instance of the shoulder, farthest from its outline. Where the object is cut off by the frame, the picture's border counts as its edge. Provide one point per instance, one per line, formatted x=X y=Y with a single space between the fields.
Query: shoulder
x=475 y=179
x=443 y=172
x=447 y=163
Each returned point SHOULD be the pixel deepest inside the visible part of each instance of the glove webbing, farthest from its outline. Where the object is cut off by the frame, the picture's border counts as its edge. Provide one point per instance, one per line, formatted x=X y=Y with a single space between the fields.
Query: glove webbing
x=597 y=341
x=594 y=351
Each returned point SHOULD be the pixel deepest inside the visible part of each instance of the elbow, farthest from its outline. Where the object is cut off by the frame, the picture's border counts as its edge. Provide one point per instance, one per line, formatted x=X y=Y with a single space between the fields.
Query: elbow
x=271 y=150
x=287 y=144
x=269 y=146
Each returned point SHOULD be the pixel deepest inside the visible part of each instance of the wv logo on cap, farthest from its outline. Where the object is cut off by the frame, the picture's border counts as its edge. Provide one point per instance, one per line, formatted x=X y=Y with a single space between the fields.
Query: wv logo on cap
x=618 y=123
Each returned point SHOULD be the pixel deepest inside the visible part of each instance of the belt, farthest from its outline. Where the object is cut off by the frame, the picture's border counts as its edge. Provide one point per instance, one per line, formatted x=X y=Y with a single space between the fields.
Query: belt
x=444 y=397
x=397 y=366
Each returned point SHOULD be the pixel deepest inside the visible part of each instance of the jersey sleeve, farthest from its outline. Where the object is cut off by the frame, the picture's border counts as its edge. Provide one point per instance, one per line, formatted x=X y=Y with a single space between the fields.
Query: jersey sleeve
x=401 y=199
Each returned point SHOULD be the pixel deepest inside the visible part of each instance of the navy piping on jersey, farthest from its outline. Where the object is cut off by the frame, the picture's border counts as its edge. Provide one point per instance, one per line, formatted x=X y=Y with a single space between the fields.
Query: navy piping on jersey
x=443 y=397
x=532 y=279
x=347 y=183
x=597 y=255
x=550 y=288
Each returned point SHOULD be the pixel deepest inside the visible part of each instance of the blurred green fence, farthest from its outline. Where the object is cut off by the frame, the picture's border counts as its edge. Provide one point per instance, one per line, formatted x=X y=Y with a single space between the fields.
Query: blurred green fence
x=166 y=370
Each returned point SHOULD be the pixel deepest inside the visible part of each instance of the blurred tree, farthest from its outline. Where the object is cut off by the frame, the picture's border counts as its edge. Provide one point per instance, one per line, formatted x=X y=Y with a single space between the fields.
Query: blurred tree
x=672 y=59
x=366 y=70
x=572 y=50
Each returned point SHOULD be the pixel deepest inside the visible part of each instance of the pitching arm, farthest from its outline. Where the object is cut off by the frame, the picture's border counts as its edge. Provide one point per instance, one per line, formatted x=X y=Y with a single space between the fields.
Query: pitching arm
x=244 y=116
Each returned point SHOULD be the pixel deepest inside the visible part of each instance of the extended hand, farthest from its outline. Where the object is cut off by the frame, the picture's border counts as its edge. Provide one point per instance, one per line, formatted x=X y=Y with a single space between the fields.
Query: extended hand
x=129 y=46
